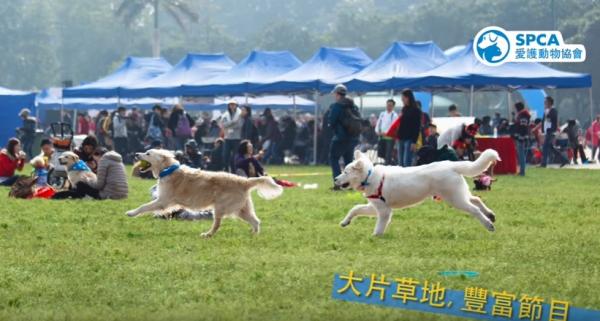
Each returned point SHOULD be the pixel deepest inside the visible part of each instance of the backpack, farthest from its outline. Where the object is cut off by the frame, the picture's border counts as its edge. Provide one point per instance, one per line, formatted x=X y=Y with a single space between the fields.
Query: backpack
x=183 y=128
x=351 y=120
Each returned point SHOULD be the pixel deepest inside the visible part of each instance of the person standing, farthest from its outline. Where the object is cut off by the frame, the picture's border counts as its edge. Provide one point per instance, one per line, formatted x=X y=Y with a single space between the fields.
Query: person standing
x=11 y=159
x=521 y=134
x=154 y=124
x=345 y=122
x=180 y=123
x=119 y=128
x=593 y=137
x=550 y=128
x=232 y=125
x=574 y=133
x=453 y=111
x=249 y=130
x=271 y=140
x=27 y=131
x=409 y=129
x=385 y=145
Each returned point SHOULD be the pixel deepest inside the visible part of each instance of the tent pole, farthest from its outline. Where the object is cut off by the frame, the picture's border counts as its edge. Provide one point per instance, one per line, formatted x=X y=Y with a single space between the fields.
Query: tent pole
x=62 y=106
x=509 y=103
x=471 y=101
x=295 y=110
x=431 y=109
x=591 y=106
x=316 y=125
x=360 y=97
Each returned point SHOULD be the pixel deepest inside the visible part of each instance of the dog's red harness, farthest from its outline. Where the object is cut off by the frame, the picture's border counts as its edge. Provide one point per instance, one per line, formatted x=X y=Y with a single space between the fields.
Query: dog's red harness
x=379 y=194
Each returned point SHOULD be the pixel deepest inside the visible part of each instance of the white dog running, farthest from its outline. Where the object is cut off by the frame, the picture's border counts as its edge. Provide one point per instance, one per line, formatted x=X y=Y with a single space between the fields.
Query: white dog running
x=393 y=187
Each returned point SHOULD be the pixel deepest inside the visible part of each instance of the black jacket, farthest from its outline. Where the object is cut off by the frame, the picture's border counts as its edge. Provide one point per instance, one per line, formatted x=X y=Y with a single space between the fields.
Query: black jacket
x=410 y=124
x=553 y=119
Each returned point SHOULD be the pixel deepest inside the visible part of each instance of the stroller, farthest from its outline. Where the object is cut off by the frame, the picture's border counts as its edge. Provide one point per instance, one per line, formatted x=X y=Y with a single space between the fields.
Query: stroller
x=62 y=140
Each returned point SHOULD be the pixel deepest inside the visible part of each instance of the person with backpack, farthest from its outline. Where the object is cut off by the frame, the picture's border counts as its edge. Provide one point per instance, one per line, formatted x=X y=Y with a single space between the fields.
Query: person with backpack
x=345 y=122
x=180 y=124
x=521 y=134
x=154 y=124
x=409 y=129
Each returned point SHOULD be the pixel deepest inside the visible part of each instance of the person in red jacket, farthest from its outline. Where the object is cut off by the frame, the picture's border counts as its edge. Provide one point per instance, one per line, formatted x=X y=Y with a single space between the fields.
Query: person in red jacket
x=11 y=158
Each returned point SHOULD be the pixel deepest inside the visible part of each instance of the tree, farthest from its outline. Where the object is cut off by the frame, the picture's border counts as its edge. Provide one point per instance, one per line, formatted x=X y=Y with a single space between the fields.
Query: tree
x=179 y=10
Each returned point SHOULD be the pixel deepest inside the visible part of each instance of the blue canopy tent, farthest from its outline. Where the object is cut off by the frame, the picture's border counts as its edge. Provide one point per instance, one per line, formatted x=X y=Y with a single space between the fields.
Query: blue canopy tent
x=465 y=72
x=534 y=98
x=134 y=70
x=193 y=68
x=257 y=66
x=51 y=98
x=317 y=73
x=11 y=103
x=401 y=60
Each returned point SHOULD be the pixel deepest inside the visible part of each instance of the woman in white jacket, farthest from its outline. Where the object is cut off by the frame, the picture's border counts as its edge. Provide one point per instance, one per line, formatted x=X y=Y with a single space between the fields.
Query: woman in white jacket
x=232 y=126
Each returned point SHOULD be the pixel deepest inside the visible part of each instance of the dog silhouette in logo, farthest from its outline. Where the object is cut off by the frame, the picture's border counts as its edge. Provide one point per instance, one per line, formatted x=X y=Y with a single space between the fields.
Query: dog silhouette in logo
x=492 y=47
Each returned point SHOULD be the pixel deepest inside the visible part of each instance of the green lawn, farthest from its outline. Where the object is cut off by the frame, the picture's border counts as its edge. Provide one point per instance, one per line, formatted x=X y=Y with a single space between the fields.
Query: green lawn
x=86 y=260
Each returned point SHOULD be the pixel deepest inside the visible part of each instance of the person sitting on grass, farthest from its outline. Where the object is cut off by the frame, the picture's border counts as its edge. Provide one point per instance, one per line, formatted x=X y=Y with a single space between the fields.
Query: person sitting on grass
x=246 y=163
x=192 y=156
x=12 y=159
x=216 y=162
x=86 y=152
x=111 y=180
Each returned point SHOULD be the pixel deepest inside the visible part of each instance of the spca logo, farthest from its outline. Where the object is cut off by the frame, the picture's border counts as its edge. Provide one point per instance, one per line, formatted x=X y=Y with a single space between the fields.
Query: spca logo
x=494 y=46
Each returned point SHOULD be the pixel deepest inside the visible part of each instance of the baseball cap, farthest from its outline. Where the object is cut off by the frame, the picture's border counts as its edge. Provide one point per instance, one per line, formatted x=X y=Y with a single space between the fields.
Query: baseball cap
x=340 y=89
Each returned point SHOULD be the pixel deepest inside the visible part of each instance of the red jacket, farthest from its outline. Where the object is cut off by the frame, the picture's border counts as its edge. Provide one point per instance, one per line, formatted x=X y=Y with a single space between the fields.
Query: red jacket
x=8 y=165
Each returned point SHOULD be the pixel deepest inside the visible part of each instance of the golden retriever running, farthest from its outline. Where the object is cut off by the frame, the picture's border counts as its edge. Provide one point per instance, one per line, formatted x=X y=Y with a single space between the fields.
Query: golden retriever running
x=192 y=189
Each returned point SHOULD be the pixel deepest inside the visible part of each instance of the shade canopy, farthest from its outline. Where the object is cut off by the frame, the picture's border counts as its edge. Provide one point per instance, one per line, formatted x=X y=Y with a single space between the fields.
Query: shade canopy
x=134 y=70
x=465 y=70
x=256 y=67
x=258 y=103
x=325 y=66
x=401 y=61
x=192 y=69
x=51 y=98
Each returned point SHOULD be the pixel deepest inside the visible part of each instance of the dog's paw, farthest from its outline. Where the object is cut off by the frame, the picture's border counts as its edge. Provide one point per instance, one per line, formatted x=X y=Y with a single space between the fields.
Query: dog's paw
x=206 y=235
x=492 y=217
x=344 y=223
x=131 y=213
x=491 y=228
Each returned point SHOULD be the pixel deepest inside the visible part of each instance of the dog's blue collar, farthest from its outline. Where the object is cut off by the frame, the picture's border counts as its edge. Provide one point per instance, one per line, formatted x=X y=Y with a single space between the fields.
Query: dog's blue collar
x=80 y=166
x=168 y=171
x=366 y=181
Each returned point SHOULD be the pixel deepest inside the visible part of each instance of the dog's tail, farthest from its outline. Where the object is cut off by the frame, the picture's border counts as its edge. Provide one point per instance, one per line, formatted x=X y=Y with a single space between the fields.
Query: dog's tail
x=479 y=166
x=266 y=187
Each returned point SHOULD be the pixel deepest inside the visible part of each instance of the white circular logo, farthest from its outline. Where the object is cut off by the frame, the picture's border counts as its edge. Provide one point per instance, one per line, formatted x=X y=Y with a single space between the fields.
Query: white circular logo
x=491 y=46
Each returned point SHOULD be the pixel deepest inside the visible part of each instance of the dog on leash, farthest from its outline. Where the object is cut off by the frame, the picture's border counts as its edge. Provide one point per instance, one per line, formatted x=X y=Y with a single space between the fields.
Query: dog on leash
x=182 y=187
x=77 y=170
x=392 y=187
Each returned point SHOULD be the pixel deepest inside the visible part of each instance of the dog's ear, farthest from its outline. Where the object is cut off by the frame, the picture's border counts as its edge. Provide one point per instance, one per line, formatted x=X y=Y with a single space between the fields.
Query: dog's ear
x=359 y=165
x=357 y=154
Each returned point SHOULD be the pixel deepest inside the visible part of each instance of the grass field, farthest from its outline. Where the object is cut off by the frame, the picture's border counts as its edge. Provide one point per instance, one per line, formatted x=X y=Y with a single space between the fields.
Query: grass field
x=85 y=260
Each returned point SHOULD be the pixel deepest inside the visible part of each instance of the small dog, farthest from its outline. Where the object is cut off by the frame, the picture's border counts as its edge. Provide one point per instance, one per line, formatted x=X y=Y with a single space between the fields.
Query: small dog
x=182 y=187
x=389 y=187
x=77 y=170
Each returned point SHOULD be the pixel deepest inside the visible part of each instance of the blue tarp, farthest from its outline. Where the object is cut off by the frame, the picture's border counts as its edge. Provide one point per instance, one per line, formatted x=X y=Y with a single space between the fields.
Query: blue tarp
x=400 y=61
x=11 y=103
x=51 y=98
x=193 y=68
x=134 y=70
x=327 y=65
x=465 y=70
x=256 y=67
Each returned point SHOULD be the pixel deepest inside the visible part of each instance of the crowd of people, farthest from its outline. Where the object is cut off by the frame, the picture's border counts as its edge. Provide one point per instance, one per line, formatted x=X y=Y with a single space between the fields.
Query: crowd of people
x=240 y=142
